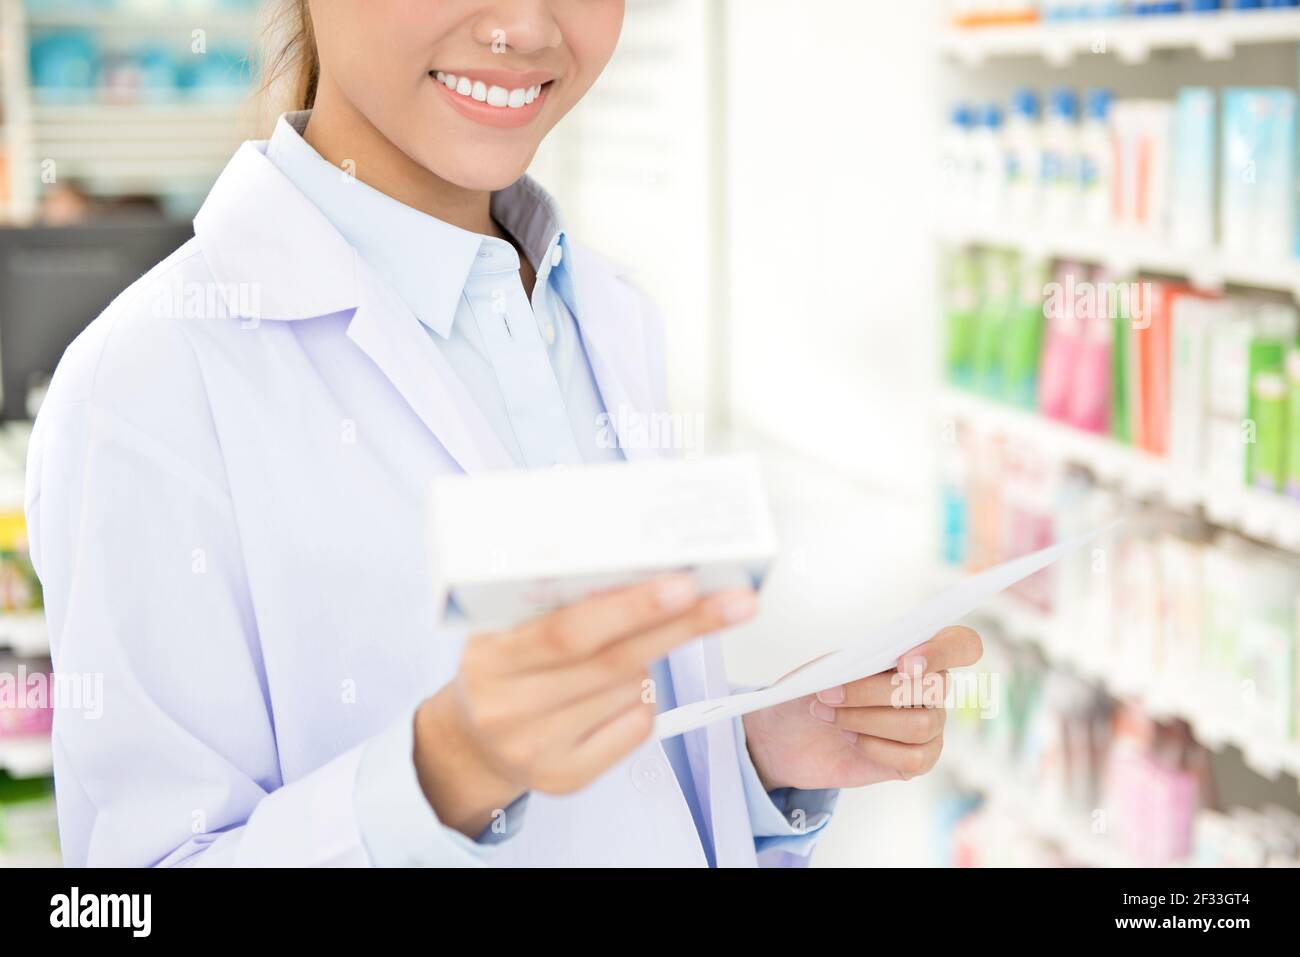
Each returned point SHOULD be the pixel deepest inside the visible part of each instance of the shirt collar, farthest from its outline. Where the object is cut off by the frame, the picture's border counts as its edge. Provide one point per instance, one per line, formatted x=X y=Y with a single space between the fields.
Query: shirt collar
x=427 y=261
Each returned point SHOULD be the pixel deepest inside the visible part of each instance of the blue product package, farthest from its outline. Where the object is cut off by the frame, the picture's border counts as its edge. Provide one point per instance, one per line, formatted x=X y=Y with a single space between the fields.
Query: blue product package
x=1193 y=173
x=64 y=65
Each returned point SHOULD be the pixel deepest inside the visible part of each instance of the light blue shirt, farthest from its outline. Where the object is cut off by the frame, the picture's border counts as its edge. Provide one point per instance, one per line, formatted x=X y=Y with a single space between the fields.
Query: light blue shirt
x=523 y=360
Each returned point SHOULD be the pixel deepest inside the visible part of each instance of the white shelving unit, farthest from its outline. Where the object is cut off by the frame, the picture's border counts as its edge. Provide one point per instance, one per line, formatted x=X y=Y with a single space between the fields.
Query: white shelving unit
x=1215 y=36
x=1273 y=519
x=1139 y=57
x=1208 y=270
x=1165 y=697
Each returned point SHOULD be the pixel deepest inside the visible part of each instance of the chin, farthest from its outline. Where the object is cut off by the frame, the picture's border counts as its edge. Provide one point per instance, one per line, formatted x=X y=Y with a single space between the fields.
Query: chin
x=489 y=181
x=487 y=171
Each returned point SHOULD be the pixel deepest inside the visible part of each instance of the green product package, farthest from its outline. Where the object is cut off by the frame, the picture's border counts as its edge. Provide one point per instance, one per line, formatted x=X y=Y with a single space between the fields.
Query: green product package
x=1293 y=422
x=1022 y=341
x=1119 y=381
x=1268 y=411
x=1265 y=455
x=999 y=289
x=962 y=297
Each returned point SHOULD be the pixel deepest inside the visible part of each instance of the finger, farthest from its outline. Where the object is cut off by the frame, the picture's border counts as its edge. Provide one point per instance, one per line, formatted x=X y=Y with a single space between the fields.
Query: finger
x=605 y=746
x=904 y=725
x=561 y=729
x=908 y=760
x=889 y=689
x=578 y=630
x=629 y=657
x=954 y=647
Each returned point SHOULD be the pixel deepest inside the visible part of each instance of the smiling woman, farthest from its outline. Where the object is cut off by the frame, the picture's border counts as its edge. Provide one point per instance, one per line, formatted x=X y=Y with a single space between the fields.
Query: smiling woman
x=227 y=494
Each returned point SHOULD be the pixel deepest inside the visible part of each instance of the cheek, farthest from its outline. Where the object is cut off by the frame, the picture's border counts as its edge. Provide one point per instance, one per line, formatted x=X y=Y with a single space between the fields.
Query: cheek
x=375 y=49
x=591 y=33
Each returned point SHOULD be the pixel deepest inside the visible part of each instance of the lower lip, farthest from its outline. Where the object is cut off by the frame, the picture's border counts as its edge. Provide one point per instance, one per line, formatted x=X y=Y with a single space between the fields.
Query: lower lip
x=502 y=117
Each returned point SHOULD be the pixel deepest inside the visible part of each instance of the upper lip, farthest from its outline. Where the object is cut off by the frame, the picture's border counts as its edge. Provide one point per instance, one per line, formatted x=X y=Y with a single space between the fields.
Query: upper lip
x=507 y=79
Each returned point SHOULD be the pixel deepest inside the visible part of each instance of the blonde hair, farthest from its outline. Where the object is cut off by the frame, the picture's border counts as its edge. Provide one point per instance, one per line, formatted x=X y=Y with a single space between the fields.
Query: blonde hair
x=291 y=65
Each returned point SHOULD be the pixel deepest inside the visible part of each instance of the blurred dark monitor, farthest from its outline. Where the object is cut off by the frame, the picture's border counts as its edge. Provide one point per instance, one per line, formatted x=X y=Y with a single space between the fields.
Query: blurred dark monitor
x=55 y=279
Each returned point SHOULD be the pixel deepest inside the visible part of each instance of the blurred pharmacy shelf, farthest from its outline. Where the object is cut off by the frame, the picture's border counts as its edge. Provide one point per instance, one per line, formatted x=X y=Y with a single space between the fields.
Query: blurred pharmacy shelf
x=27 y=757
x=140 y=147
x=976 y=768
x=233 y=20
x=119 y=115
x=1272 y=519
x=1214 y=35
x=1205 y=270
x=1163 y=696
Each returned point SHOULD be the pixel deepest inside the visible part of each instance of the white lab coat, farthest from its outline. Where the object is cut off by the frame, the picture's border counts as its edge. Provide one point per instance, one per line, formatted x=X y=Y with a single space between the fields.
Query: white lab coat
x=225 y=495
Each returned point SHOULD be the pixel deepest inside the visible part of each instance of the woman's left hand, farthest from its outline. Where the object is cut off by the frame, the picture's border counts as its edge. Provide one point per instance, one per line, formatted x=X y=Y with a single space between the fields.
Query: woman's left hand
x=886 y=727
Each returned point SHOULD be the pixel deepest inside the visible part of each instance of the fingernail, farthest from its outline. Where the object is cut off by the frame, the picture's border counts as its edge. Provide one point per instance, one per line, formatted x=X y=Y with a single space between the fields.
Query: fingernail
x=822 y=712
x=850 y=736
x=677 y=593
x=832 y=695
x=740 y=607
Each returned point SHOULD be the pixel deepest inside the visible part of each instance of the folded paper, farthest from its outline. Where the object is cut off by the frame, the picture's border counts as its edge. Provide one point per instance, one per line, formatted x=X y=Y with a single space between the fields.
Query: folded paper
x=878 y=650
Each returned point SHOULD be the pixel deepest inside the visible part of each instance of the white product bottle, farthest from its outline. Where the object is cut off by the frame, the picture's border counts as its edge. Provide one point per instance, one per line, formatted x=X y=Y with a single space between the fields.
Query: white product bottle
x=1096 y=165
x=990 y=164
x=1060 y=161
x=956 y=166
x=1024 y=158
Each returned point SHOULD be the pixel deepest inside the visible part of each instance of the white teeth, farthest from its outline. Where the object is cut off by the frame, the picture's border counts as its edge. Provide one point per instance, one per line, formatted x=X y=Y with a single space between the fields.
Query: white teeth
x=497 y=96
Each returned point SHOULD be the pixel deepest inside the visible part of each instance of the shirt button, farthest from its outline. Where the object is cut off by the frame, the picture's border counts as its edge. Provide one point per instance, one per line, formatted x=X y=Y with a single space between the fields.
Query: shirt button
x=550 y=334
x=647 y=774
x=556 y=255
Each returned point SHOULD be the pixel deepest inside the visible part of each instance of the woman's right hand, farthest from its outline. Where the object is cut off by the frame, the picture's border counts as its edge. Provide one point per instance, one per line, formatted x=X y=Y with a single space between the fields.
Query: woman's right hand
x=553 y=703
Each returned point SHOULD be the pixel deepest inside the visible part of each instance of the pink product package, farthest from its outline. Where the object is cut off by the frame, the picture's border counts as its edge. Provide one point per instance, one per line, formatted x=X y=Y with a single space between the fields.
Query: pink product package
x=23 y=711
x=1062 y=341
x=21 y=722
x=1089 y=400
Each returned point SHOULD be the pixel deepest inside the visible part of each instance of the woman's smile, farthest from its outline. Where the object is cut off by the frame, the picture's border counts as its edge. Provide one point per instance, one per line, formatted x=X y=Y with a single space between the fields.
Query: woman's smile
x=498 y=98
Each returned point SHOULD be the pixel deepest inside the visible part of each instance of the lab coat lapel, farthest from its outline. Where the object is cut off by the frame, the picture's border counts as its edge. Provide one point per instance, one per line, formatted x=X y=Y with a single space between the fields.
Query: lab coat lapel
x=260 y=234
x=389 y=333
x=609 y=317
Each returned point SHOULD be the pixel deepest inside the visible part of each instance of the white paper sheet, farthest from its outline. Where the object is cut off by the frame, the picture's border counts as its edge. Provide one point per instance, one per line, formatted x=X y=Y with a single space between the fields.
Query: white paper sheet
x=879 y=650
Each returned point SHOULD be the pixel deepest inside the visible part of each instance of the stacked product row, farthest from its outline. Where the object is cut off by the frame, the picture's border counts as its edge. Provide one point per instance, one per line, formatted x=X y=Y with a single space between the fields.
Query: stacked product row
x=1210 y=383
x=71 y=64
x=1190 y=171
x=978 y=13
x=1110 y=784
x=1202 y=621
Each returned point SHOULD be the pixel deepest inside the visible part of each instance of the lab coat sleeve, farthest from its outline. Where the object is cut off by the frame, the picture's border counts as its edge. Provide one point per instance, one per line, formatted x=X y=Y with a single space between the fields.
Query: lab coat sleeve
x=787 y=822
x=397 y=824
x=133 y=534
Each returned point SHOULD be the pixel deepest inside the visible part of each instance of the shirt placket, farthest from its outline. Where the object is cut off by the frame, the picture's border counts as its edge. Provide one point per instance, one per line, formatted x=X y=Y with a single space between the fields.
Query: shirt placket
x=515 y=341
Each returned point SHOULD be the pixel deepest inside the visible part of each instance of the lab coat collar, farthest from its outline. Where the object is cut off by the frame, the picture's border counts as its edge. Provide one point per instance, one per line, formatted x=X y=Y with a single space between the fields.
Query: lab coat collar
x=272 y=253
x=276 y=257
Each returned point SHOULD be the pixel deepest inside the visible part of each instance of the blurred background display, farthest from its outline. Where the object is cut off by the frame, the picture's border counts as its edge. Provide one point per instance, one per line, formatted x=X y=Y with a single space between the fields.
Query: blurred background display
x=972 y=276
